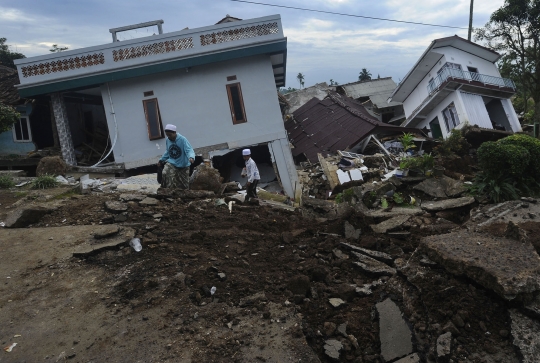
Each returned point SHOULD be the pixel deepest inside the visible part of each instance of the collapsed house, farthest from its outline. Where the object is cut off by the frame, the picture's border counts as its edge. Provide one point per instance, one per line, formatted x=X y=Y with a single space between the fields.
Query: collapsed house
x=456 y=82
x=300 y=97
x=335 y=123
x=373 y=95
x=216 y=83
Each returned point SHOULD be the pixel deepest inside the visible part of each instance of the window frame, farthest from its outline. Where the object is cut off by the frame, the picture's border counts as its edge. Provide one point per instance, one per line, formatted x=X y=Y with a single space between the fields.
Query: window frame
x=452 y=111
x=27 y=118
x=158 y=116
x=231 y=103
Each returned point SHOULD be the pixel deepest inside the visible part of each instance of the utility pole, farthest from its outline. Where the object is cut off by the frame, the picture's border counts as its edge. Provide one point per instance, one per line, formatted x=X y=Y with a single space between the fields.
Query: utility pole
x=470 y=21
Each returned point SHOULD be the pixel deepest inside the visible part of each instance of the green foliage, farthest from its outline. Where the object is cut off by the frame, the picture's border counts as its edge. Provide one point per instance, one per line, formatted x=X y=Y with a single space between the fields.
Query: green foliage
x=398 y=198
x=6 y=181
x=454 y=144
x=407 y=140
x=6 y=56
x=44 y=182
x=339 y=198
x=513 y=30
x=364 y=75
x=348 y=195
x=533 y=147
x=510 y=168
x=497 y=189
x=422 y=163
x=284 y=90
x=300 y=77
x=8 y=117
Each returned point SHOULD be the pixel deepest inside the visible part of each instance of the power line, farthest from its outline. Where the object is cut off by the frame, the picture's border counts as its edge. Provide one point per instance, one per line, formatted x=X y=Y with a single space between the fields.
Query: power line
x=351 y=15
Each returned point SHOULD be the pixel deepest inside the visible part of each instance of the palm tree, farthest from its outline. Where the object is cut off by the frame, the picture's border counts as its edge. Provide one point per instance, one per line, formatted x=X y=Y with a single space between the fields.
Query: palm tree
x=365 y=75
x=333 y=83
x=300 y=78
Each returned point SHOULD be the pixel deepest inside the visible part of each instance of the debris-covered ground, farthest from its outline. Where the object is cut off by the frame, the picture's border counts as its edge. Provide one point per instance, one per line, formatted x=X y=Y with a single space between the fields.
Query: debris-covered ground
x=263 y=284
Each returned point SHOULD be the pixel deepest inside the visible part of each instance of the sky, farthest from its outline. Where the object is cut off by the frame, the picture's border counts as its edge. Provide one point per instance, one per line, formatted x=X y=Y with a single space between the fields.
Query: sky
x=320 y=46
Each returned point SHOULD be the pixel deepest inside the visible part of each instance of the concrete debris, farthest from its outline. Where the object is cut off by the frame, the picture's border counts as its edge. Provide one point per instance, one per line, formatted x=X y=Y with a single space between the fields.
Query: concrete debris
x=367 y=289
x=340 y=255
x=444 y=347
x=372 y=266
x=351 y=232
x=394 y=212
x=514 y=232
x=499 y=264
x=413 y=358
x=149 y=201
x=132 y=197
x=394 y=334
x=443 y=187
x=381 y=256
x=391 y=224
x=336 y=302
x=115 y=207
x=25 y=216
x=332 y=348
x=448 y=204
x=106 y=231
x=205 y=177
x=526 y=336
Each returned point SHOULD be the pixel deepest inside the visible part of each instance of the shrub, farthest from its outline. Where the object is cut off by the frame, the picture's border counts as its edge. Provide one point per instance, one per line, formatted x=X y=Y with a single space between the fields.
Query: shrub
x=44 y=182
x=533 y=147
x=497 y=189
x=6 y=181
x=454 y=144
x=496 y=159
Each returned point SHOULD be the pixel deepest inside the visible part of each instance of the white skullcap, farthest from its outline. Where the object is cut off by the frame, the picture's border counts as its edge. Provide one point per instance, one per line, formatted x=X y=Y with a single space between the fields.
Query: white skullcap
x=246 y=152
x=170 y=127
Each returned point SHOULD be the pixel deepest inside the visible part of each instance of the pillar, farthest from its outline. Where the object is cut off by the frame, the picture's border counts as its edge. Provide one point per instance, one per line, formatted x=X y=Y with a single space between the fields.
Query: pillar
x=64 y=131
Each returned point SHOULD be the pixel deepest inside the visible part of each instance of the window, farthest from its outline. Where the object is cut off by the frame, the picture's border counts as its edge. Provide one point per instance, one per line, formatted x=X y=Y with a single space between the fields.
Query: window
x=451 y=118
x=153 y=119
x=236 y=103
x=21 y=130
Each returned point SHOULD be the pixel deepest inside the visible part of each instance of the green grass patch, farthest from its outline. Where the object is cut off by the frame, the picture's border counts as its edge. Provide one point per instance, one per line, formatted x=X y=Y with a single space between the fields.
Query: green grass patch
x=6 y=181
x=45 y=182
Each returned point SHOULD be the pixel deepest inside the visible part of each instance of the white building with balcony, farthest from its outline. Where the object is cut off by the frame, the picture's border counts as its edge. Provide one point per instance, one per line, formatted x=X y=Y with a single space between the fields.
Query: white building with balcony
x=454 y=83
x=217 y=84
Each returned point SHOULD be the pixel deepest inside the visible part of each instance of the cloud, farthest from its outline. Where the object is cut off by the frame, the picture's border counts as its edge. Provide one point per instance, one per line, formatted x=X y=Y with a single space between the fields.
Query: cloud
x=12 y=15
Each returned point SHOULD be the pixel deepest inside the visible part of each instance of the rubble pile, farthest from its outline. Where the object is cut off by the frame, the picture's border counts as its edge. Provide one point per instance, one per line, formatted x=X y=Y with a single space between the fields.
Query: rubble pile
x=407 y=269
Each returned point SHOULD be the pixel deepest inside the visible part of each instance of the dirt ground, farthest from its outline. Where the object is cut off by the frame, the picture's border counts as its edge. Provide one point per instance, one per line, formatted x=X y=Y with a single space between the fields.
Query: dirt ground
x=155 y=306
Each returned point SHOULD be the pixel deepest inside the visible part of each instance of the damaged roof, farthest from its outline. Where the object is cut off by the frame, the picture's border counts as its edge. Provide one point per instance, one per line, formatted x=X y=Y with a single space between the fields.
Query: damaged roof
x=334 y=123
x=8 y=79
x=378 y=91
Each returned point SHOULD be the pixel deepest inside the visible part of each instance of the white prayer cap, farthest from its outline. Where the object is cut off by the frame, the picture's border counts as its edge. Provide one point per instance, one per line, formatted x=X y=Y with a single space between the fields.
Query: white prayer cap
x=246 y=152
x=170 y=127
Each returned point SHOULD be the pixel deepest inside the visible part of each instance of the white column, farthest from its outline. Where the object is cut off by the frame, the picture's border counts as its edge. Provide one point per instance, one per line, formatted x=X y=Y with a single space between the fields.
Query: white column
x=281 y=155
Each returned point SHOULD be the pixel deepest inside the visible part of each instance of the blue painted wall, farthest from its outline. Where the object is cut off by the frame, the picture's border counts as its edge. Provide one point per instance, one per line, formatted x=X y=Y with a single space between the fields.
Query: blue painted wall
x=9 y=147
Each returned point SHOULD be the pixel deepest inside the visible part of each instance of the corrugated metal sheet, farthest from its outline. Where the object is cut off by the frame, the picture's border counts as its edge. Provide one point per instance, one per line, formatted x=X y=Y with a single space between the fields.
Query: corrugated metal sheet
x=335 y=123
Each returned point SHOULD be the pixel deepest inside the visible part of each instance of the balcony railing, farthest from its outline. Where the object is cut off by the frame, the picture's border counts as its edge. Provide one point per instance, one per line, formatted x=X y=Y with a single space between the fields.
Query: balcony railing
x=470 y=77
x=149 y=50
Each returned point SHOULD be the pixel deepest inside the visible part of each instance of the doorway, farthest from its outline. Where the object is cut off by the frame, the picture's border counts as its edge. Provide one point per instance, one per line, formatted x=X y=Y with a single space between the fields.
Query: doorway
x=435 y=127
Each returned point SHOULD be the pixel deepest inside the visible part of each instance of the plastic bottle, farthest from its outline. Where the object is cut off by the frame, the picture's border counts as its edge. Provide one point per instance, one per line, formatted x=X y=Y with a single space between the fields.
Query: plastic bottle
x=136 y=244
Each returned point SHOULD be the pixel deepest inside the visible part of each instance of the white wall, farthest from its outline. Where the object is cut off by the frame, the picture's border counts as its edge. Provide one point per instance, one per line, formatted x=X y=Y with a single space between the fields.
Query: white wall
x=197 y=103
x=451 y=55
x=437 y=112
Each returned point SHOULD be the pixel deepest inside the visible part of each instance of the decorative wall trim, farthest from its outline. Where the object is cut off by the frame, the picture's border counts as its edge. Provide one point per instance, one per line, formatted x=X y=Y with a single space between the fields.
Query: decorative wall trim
x=63 y=65
x=152 y=49
x=240 y=33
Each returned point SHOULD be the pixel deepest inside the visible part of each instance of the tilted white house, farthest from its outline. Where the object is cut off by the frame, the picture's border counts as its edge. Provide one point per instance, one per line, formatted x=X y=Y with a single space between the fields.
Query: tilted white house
x=216 y=83
x=456 y=82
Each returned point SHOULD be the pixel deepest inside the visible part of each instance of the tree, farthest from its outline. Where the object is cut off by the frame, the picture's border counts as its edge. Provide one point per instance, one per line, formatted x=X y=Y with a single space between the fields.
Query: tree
x=365 y=75
x=284 y=90
x=6 y=56
x=300 y=78
x=514 y=31
x=8 y=117
x=55 y=48
x=333 y=83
